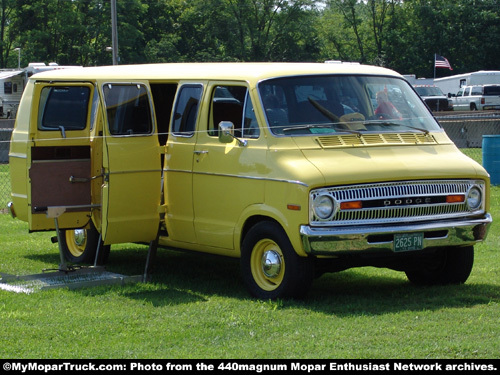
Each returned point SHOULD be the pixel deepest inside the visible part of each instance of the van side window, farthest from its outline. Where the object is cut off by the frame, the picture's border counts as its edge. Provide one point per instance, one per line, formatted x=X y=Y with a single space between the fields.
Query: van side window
x=186 y=109
x=251 y=127
x=227 y=105
x=63 y=107
x=128 y=109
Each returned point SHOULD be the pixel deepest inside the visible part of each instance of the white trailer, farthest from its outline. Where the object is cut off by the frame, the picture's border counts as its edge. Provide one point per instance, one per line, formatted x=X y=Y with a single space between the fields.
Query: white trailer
x=11 y=90
x=451 y=84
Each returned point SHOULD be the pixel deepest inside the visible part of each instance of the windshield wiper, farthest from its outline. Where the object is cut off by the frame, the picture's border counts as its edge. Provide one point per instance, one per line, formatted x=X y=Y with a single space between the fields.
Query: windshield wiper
x=387 y=123
x=325 y=112
x=312 y=126
x=331 y=116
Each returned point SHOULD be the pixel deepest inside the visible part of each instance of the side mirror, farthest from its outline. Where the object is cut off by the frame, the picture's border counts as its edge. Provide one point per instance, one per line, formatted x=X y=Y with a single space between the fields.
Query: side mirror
x=226 y=133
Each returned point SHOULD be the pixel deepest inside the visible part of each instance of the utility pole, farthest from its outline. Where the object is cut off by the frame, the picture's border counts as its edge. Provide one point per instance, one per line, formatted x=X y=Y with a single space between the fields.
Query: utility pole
x=114 y=33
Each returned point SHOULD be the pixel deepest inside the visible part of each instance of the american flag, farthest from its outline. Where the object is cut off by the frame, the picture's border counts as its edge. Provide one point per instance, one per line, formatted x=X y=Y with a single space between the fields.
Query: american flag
x=441 y=62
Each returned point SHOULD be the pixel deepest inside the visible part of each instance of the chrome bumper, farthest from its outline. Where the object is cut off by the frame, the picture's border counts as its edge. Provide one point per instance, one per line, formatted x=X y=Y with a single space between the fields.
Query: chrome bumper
x=342 y=240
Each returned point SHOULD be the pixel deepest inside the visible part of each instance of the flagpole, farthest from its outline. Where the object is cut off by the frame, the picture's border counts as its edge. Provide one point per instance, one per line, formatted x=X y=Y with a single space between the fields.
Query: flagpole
x=434 y=65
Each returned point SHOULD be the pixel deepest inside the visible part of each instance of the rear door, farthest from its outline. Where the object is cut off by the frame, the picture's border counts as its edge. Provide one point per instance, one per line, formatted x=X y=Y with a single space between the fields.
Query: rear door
x=59 y=156
x=131 y=192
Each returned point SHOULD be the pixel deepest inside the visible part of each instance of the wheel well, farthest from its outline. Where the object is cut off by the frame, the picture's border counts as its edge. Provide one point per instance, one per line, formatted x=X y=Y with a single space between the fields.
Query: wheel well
x=251 y=221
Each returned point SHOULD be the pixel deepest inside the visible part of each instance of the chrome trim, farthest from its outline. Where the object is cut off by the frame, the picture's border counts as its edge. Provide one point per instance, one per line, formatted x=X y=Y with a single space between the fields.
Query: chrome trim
x=404 y=209
x=296 y=182
x=342 y=240
x=18 y=155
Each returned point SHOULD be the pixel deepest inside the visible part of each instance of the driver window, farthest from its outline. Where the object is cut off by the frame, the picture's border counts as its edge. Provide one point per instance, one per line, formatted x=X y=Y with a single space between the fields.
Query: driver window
x=233 y=104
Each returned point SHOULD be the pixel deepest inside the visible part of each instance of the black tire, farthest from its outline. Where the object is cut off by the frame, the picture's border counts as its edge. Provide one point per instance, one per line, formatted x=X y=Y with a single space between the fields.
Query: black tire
x=80 y=246
x=284 y=274
x=451 y=265
x=473 y=107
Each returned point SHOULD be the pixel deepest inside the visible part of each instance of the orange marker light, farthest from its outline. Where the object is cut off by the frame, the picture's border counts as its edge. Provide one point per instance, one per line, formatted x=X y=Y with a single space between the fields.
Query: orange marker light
x=455 y=198
x=354 y=205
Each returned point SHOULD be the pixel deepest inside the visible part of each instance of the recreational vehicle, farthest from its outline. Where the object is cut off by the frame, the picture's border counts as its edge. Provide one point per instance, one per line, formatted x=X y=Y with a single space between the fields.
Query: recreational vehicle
x=451 y=84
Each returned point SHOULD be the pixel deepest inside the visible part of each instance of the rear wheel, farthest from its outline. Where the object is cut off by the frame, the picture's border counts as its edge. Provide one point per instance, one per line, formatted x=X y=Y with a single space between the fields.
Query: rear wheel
x=80 y=246
x=451 y=265
x=270 y=266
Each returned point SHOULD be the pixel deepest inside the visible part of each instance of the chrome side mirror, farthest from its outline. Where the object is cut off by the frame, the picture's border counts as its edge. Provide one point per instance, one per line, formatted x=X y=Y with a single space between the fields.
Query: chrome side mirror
x=226 y=133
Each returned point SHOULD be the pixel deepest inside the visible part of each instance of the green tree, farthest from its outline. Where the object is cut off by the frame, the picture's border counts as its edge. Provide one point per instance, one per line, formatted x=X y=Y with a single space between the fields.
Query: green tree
x=7 y=39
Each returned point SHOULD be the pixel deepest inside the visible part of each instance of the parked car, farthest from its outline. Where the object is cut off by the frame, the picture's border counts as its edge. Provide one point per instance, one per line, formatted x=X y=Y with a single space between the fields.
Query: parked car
x=435 y=99
x=473 y=98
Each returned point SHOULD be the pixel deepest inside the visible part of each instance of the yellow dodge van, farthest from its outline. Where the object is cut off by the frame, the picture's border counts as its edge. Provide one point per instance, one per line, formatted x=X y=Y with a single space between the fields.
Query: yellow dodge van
x=297 y=169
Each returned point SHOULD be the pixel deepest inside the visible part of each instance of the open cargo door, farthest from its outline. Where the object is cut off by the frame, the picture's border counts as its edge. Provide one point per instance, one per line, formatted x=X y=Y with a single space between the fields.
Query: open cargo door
x=59 y=155
x=131 y=192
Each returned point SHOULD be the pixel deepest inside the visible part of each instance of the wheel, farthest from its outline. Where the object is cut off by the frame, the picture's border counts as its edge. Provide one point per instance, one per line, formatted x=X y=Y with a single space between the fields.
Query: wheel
x=451 y=265
x=80 y=246
x=473 y=107
x=270 y=266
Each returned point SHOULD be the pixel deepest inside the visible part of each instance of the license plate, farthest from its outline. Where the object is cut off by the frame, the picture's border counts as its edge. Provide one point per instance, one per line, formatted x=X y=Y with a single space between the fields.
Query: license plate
x=408 y=242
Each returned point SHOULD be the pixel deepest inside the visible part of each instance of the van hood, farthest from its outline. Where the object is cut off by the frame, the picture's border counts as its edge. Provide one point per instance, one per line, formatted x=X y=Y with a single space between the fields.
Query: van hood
x=351 y=165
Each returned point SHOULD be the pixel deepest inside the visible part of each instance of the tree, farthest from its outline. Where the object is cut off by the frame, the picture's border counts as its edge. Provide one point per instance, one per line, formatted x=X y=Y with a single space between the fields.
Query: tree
x=6 y=39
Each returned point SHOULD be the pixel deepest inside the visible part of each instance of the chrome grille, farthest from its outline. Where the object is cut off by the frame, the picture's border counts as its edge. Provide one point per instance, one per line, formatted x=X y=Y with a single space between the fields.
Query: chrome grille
x=404 y=201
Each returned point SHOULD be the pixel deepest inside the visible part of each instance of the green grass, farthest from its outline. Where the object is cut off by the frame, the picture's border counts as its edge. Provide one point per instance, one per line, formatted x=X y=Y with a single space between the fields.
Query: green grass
x=4 y=186
x=196 y=307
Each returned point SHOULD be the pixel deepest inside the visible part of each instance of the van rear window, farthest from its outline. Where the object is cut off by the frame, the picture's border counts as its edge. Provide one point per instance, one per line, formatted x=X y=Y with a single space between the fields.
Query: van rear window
x=65 y=107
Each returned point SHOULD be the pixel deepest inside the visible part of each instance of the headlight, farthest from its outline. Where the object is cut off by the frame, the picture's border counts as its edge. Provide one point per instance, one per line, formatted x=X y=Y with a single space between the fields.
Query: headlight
x=474 y=197
x=324 y=207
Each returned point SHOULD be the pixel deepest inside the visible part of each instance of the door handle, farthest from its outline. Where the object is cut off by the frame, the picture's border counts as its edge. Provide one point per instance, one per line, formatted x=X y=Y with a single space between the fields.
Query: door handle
x=74 y=179
x=200 y=152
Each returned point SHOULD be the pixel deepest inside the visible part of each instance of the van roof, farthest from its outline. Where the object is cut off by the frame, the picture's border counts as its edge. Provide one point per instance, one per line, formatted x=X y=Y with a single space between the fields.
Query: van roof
x=207 y=71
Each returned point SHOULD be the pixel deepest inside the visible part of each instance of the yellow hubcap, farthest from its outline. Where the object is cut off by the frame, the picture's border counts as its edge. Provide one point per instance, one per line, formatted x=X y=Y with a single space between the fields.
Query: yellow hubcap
x=267 y=264
x=76 y=241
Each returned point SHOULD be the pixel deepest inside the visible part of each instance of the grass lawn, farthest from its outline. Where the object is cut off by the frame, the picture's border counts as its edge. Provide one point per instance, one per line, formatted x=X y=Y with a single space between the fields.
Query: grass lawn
x=196 y=307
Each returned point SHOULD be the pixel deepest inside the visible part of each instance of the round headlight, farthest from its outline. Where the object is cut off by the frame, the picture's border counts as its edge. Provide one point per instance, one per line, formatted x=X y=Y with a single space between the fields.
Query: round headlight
x=474 y=198
x=323 y=206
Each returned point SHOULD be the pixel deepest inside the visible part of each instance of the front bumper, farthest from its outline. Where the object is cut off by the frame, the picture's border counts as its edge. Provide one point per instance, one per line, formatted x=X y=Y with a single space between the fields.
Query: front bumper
x=343 y=240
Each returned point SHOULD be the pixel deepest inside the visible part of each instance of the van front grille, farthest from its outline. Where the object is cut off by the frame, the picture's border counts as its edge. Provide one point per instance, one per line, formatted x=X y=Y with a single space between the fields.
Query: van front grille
x=394 y=202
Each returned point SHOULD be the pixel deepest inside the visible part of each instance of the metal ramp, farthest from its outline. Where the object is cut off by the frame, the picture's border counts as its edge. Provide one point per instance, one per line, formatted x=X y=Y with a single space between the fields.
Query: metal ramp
x=72 y=277
x=77 y=278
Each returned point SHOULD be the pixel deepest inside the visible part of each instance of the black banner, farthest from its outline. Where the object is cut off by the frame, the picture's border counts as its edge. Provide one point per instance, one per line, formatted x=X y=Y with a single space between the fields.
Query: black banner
x=257 y=366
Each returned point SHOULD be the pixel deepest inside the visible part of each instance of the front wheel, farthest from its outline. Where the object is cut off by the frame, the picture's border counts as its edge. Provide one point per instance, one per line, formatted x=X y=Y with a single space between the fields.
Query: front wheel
x=80 y=246
x=451 y=265
x=270 y=266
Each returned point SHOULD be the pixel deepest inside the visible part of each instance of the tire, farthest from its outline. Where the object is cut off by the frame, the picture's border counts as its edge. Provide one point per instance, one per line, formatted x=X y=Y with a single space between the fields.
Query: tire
x=473 y=107
x=284 y=274
x=450 y=266
x=80 y=246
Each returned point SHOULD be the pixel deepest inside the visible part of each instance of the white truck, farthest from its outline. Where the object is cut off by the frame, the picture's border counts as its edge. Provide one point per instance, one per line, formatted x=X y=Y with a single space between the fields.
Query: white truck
x=451 y=84
x=480 y=97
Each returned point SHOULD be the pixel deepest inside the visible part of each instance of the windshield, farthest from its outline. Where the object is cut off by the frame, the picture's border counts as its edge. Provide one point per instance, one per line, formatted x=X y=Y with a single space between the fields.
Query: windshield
x=336 y=104
x=428 y=91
